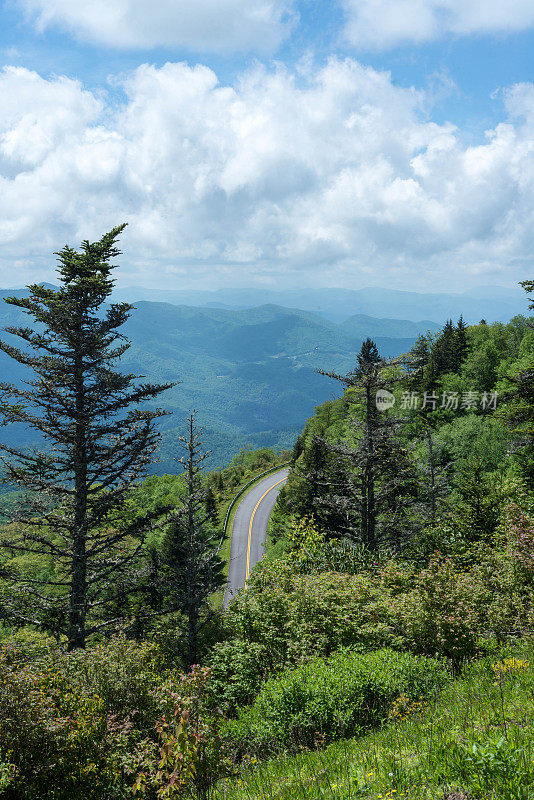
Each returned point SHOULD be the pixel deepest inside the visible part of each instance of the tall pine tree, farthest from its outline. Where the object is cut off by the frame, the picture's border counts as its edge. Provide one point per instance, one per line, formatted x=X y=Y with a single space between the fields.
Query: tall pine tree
x=518 y=407
x=97 y=443
x=417 y=361
x=448 y=351
x=191 y=567
x=462 y=344
x=375 y=481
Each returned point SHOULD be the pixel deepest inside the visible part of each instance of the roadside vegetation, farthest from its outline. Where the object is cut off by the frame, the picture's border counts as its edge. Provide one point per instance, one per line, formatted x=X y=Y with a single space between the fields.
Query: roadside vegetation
x=472 y=740
x=383 y=648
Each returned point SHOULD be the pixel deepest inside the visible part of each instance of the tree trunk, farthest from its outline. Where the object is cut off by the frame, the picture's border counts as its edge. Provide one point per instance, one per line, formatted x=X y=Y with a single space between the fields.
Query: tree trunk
x=78 y=590
x=192 y=635
x=369 y=478
x=432 y=476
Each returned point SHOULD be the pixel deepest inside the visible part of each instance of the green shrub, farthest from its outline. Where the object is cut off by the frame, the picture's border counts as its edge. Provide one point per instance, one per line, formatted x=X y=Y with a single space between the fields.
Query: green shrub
x=444 y=613
x=48 y=748
x=128 y=678
x=96 y=723
x=238 y=670
x=474 y=740
x=332 y=698
x=288 y=616
x=25 y=644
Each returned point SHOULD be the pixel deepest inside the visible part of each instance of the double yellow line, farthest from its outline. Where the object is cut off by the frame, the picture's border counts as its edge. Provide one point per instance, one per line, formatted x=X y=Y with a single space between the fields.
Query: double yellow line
x=247 y=573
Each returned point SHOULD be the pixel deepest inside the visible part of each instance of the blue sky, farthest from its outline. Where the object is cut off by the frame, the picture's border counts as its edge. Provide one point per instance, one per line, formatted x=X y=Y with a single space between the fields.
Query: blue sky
x=269 y=142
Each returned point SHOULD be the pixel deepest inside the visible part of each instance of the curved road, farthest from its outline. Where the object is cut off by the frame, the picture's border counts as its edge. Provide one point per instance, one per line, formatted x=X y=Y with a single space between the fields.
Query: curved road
x=249 y=530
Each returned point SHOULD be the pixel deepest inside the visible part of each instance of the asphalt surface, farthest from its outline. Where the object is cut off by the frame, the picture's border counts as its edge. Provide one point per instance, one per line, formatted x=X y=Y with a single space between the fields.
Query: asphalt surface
x=249 y=530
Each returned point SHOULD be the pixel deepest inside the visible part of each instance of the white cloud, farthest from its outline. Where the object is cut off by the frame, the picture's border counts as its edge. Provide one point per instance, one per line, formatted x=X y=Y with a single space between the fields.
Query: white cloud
x=210 y=25
x=337 y=175
x=388 y=23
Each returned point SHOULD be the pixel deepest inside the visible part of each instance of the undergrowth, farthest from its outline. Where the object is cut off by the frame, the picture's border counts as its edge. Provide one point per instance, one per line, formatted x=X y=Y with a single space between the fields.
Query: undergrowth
x=474 y=740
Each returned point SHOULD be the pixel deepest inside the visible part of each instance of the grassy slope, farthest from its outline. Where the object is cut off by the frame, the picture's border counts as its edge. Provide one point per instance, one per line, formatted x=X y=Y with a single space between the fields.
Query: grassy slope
x=475 y=738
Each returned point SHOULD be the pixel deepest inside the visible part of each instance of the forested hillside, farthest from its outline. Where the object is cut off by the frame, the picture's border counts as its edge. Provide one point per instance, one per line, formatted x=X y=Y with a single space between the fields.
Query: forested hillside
x=457 y=433
x=381 y=648
x=249 y=372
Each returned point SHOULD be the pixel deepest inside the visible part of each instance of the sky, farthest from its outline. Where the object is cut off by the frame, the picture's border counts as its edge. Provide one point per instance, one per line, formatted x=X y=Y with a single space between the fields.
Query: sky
x=273 y=143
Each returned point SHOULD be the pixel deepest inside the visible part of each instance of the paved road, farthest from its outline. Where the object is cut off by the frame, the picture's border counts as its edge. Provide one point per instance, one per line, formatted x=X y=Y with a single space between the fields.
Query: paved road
x=250 y=529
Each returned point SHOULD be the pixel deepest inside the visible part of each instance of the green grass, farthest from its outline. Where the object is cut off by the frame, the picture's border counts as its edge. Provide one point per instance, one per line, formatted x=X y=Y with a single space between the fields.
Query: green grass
x=474 y=740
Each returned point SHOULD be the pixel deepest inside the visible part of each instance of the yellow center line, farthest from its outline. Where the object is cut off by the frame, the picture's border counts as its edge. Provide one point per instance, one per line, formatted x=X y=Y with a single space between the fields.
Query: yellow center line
x=247 y=573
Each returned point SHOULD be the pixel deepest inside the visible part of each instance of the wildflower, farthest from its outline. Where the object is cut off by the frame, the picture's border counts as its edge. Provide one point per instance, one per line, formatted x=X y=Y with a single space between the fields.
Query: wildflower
x=513 y=665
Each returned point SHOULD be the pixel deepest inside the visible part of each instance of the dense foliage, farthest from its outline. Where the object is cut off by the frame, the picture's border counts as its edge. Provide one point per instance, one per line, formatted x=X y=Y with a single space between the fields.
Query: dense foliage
x=400 y=561
x=324 y=700
x=474 y=740
x=317 y=598
x=110 y=721
x=460 y=423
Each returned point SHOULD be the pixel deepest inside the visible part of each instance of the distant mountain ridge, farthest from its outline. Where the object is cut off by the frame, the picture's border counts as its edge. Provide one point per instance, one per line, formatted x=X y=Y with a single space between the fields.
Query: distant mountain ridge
x=362 y=326
x=495 y=304
x=250 y=372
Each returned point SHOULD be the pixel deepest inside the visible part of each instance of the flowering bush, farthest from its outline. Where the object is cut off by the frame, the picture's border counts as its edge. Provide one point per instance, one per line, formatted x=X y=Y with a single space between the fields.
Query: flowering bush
x=510 y=666
x=288 y=617
x=186 y=755
x=285 y=619
x=520 y=530
x=441 y=615
x=97 y=723
x=47 y=739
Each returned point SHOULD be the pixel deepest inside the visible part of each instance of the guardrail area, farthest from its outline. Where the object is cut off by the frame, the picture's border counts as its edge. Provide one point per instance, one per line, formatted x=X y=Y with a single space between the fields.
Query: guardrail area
x=242 y=491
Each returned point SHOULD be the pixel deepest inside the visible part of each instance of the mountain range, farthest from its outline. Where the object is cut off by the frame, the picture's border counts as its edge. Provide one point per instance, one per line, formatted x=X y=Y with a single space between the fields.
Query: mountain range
x=493 y=303
x=250 y=372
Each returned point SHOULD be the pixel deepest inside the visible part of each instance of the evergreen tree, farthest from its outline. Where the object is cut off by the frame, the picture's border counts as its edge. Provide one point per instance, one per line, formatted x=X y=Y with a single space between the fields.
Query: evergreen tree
x=442 y=358
x=322 y=490
x=430 y=350
x=446 y=352
x=376 y=481
x=298 y=447
x=462 y=345
x=417 y=361
x=98 y=445
x=191 y=567
x=475 y=513
x=210 y=505
x=367 y=356
x=435 y=482
x=518 y=408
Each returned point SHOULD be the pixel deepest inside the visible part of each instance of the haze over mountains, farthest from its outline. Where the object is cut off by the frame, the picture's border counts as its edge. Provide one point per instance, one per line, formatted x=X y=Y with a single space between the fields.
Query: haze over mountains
x=250 y=372
x=493 y=303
